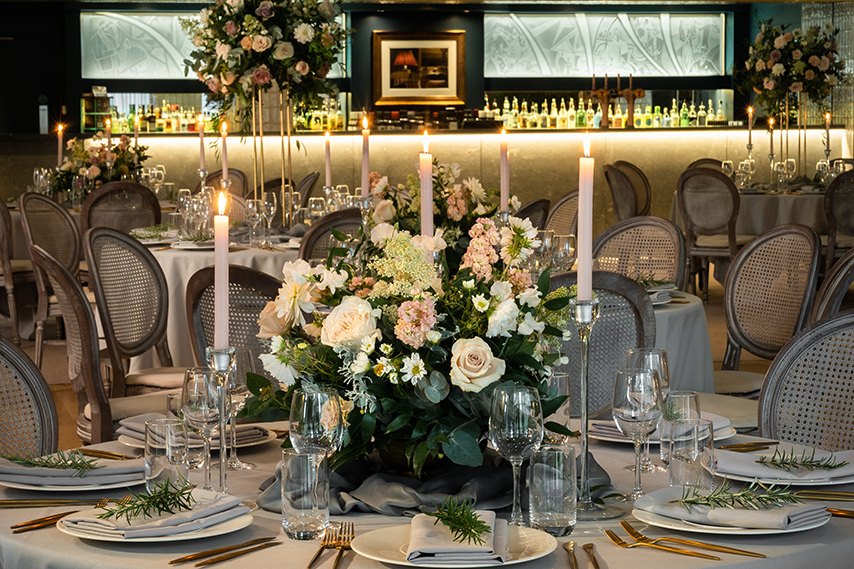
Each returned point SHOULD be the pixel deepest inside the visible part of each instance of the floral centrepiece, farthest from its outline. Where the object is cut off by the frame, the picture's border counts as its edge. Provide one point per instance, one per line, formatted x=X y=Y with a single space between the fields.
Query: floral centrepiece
x=783 y=64
x=415 y=357
x=92 y=162
x=246 y=46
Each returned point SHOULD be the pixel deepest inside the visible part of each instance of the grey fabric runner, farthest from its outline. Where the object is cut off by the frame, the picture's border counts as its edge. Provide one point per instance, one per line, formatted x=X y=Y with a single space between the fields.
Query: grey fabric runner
x=356 y=487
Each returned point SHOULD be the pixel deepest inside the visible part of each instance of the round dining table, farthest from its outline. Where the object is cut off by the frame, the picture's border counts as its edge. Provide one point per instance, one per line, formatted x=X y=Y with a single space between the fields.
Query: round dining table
x=829 y=546
x=682 y=330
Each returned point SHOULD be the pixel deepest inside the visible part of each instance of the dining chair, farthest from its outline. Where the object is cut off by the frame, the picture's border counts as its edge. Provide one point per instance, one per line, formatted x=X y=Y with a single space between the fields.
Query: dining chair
x=237 y=209
x=316 y=242
x=848 y=163
x=626 y=320
x=563 y=215
x=708 y=201
x=305 y=187
x=50 y=226
x=29 y=425
x=622 y=193
x=97 y=414
x=12 y=271
x=239 y=183
x=133 y=306
x=640 y=184
x=642 y=247
x=808 y=395
x=767 y=299
x=537 y=211
x=120 y=205
x=828 y=300
x=713 y=163
x=839 y=210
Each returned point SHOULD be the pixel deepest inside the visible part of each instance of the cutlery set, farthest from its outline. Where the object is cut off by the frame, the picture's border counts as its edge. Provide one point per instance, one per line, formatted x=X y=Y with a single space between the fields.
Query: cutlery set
x=654 y=543
x=50 y=521
x=339 y=539
x=229 y=552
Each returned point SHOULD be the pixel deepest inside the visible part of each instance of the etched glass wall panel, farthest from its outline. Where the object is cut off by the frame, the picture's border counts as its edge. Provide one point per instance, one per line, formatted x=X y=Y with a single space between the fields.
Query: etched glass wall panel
x=581 y=45
x=119 y=45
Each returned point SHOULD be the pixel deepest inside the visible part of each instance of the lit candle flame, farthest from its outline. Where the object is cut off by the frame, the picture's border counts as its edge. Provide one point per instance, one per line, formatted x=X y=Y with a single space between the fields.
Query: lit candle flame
x=750 y=111
x=223 y=201
x=587 y=145
x=224 y=128
x=326 y=134
x=365 y=123
x=827 y=117
x=109 y=123
x=136 y=120
x=201 y=117
x=426 y=143
x=503 y=132
x=771 y=123
x=59 y=128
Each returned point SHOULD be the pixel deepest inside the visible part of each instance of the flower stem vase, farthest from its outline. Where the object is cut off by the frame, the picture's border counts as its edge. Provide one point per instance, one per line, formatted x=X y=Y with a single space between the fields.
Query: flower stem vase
x=585 y=313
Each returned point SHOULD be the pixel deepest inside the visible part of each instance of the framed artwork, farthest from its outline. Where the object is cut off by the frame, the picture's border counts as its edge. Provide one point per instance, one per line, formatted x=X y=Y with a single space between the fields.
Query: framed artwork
x=419 y=68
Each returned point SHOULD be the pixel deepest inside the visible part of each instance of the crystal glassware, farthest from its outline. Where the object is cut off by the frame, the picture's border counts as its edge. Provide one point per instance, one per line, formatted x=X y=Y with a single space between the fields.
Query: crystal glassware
x=316 y=421
x=253 y=213
x=654 y=359
x=316 y=208
x=270 y=204
x=637 y=409
x=200 y=399
x=678 y=405
x=516 y=431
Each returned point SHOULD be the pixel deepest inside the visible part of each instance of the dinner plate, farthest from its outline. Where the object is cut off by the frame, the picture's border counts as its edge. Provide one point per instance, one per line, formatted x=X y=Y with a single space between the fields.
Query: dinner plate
x=388 y=545
x=87 y=488
x=137 y=443
x=661 y=287
x=787 y=482
x=194 y=245
x=694 y=527
x=225 y=527
x=662 y=302
x=720 y=435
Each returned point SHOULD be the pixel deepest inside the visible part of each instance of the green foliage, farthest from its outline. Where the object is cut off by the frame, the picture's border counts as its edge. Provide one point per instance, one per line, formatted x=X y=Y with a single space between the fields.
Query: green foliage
x=165 y=498
x=459 y=517
x=61 y=460
x=753 y=497
x=791 y=461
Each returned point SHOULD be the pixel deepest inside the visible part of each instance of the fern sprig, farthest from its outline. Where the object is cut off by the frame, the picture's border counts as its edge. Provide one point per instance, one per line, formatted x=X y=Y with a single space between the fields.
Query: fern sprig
x=461 y=519
x=61 y=460
x=166 y=497
x=753 y=497
x=789 y=462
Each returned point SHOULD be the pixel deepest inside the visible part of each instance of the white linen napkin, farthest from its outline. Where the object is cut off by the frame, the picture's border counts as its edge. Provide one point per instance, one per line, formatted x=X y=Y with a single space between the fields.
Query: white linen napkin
x=608 y=428
x=134 y=427
x=109 y=472
x=431 y=543
x=210 y=508
x=744 y=464
x=659 y=296
x=784 y=517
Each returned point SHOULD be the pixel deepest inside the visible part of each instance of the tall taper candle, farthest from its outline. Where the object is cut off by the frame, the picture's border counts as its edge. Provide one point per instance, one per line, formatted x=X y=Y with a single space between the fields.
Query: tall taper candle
x=827 y=132
x=224 y=150
x=201 y=126
x=328 y=162
x=109 y=136
x=426 y=169
x=771 y=128
x=221 y=275
x=585 y=223
x=504 y=173
x=59 y=146
x=750 y=125
x=366 y=134
x=136 y=132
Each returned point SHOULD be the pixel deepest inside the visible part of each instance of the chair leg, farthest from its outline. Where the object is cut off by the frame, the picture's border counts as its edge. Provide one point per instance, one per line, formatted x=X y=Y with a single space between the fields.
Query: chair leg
x=39 y=343
x=705 y=277
x=13 y=316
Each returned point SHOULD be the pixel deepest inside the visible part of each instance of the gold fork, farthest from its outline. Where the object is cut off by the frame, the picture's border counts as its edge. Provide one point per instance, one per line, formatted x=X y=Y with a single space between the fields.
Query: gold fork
x=701 y=544
x=327 y=543
x=51 y=520
x=618 y=541
x=344 y=537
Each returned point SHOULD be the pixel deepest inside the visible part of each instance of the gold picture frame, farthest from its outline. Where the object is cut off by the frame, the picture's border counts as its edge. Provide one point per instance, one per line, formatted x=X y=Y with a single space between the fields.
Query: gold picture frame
x=419 y=68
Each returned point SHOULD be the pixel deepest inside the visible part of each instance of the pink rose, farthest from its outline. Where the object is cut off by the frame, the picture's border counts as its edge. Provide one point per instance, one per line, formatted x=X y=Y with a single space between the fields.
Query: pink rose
x=760 y=65
x=261 y=43
x=780 y=41
x=787 y=36
x=814 y=60
x=261 y=76
x=227 y=78
x=93 y=172
x=796 y=87
x=213 y=84
x=265 y=10
x=231 y=28
x=246 y=43
x=824 y=65
x=809 y=75
x=797 y=54
x=776 y=55
x=769 y=83
x=302 y=67
x=283 y=50
x=222 y=50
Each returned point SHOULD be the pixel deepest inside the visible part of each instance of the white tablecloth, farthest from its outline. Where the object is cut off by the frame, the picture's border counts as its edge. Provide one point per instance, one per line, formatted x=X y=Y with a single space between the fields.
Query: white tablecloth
x=179 y=265
x=682 y=330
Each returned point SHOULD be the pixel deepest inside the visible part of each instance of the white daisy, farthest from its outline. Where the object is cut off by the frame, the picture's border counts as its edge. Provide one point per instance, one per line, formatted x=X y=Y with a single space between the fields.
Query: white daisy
x=304 y=33
x=413 y=368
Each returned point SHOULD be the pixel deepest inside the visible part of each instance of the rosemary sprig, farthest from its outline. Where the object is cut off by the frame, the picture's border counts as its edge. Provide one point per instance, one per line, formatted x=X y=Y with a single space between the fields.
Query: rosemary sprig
x=61 y=460
x=670 y=412
x=753 y=497
x=461 y=519
x=648 y=281
x=789 y=462
x=165 y=498
x=201 y=236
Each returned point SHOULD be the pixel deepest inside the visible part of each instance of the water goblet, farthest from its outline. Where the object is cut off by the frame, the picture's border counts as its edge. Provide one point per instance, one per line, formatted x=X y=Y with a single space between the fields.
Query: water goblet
x=238 y=393
x=564 y=252
x=270 y=205
x=654 y=359
x=637 y=409
x=678 y=405
x=516 y=431
x=316 y=208
x=200 y=408
x=726 y=167
x=316 y=420
x=791 y=166
x=254 y=215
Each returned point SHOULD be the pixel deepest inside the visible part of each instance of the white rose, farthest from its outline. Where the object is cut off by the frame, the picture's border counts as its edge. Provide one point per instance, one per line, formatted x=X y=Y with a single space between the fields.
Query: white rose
x=473 y=366
x=348 y=324
x=261 y=43
x=502 y=321
x=269 y=323
x=382 y=232
x=283 y=50
x=384 y=211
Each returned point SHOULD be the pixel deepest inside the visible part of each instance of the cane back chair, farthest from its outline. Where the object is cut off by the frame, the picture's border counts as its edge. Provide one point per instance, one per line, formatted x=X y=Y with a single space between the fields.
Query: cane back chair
x=642 y=247
x=120 y=205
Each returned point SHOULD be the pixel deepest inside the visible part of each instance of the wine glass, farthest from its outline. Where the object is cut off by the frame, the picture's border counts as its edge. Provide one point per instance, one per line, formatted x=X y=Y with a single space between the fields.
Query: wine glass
x=727 y=168
x=200 y=408
x=253 y=214
x=516 y=431
x=316 y=208
x=564 y=252
x=317 y=424
x=791 y=166
x=268 y=211
x=654 y=359
x=238 y=393
x=637 y=409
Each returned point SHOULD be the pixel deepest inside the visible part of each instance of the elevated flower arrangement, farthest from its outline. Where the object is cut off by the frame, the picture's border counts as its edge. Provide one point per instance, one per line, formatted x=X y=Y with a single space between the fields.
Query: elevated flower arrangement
x=92 y=162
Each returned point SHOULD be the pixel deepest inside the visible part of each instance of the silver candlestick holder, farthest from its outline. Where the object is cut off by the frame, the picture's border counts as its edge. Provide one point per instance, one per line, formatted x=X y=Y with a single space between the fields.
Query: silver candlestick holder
x=221 y=361
x=503 y=218
x=585 y=313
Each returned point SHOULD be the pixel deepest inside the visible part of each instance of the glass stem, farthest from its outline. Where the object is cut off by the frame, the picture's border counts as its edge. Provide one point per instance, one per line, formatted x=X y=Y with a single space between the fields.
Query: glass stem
x=232 y=442
x=637 y=490
x=516 y=518
x=207 y=450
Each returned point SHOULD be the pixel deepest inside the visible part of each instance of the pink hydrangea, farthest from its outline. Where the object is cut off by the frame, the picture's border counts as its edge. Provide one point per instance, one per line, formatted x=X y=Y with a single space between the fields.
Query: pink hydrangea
x=457 y=204
x=519 y=280
x=481 y=254
x=415 y=319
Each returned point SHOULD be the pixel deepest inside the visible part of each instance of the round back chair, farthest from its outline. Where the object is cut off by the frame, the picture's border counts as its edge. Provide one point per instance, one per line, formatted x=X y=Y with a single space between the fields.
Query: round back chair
x=537 y=211
x=563 y=215
x=839 y=210
x=642 y=247
x=318 y=239
x=640 y=183
x=828 y=300
x=121 y=205
x=622 y=193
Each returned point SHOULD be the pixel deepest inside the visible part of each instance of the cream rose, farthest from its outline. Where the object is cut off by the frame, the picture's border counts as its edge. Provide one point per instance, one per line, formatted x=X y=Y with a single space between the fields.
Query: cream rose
x=269 y=323
x=384 y=211
x=348 y=324
x=473 y=366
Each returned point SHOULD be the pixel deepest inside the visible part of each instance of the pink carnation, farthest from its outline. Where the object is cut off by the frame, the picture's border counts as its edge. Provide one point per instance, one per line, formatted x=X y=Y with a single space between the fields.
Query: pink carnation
x=519 y=280
x=415 y=319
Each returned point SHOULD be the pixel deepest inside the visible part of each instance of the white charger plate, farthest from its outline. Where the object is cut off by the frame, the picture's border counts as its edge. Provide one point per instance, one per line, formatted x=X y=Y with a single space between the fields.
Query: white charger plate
x=720 y=435
x=137 y=443
x=666 y=522
x=389 y=544
x=228 y=526
x=787 y=482
x=194 y=245
x=87 y=488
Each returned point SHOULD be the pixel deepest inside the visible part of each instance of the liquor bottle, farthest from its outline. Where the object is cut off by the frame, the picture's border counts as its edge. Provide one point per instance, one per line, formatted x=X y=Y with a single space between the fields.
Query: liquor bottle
x=647 y=117
x=666 y=118
x=597 y=116
x=637 y=120
x=505 y=111
x=192 y=121
x=721 y=113
x=544 y=115
x=523 y=115
x=496 y=110
x=674 y=115
x=570 y=114
x=589 y=113
x=580 y=115
x=701 y=115
x=692 y=115
x=130 y=117
x=514 y=113
x=684 y=115
x=553 y=114
x=617 y=117
x=485 y=105
x=656 y=117
x=534 y=116
x=185 y=122
x=562 y=117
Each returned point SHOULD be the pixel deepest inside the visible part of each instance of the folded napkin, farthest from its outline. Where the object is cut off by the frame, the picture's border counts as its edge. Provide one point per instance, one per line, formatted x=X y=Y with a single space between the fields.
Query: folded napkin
x=134 y=427
x=608 y=428
x=433 y=543
x=744 y=464
x=784 y=517
x=659 y=296
x=210 y=508
x=298 y=230
x=110 y=472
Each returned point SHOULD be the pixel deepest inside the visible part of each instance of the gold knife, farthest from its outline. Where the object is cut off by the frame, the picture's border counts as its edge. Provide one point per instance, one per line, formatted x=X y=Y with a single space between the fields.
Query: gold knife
x=234 y=554
x=39 y=523
x=570 y=548
x=217 y=551
x=588 y=547
x=841 y=513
